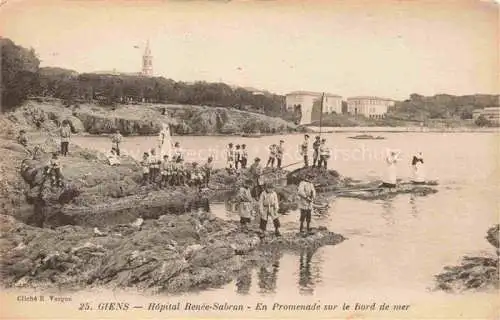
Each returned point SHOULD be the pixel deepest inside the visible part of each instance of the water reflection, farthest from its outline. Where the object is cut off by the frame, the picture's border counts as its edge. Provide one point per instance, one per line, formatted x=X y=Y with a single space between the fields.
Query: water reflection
x=388 y=211
x=244 y=281
x=268 y=274
x=413 y=204
x=306 y=282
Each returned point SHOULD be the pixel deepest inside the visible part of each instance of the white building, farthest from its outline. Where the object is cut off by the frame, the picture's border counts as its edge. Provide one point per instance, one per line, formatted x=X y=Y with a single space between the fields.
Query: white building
x=491 y=114
x=371 y=107
x=306 y=100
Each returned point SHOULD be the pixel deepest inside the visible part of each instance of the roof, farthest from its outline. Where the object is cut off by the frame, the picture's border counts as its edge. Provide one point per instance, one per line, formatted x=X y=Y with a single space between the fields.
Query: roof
x=368 y=98
x=312 y=93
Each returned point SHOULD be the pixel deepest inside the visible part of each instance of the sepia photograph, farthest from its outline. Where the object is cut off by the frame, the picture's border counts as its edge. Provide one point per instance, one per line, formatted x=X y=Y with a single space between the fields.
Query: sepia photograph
x=249 y=159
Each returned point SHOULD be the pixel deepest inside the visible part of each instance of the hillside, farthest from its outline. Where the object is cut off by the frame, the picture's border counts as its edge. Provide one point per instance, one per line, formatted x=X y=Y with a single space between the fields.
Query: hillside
x=146 y=119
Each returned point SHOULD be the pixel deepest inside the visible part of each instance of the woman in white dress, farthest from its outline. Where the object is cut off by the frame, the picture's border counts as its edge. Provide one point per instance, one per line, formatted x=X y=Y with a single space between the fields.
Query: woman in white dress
x=165 y=141
x=418 y=168
x=391 y=178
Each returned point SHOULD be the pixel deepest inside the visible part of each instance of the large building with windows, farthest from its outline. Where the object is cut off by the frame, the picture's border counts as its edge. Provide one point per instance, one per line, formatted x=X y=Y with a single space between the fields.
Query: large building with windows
x=306 y=100
x=491 y=114
x=371 y=107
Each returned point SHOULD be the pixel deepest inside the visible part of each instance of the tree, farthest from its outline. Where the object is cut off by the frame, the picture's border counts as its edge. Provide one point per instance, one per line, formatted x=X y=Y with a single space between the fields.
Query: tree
x=481 y=121
x=19 y=73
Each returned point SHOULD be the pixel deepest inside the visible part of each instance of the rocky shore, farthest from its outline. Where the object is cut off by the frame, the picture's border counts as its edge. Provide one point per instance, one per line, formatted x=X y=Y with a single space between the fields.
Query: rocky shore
x=474 y=273
x=104 y=229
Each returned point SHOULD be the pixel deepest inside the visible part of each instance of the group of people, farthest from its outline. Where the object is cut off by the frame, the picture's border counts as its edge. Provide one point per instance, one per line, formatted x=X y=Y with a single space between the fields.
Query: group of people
x=170 y=170
x=321 y=152
x=268 y=205
x=417 y=165
x=236 y=157
x=276 y=152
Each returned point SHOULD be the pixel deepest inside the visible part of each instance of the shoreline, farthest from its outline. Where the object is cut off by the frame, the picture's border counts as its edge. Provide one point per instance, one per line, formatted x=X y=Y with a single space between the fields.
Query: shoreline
x=404 y=130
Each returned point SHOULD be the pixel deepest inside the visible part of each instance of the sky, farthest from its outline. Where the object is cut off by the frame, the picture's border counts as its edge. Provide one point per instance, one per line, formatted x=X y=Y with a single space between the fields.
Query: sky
x=384 y=48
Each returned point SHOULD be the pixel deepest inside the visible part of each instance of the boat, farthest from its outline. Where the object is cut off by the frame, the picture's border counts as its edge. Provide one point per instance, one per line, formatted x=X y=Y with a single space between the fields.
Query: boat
x=251 y=135
x=378 y=192
x=367 y=137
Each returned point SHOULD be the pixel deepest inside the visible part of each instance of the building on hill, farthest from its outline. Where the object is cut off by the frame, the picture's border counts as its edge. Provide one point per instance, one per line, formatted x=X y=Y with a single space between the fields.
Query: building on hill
x=371 y=107
x=306 y=100
x=147 y=62
x=491 y=114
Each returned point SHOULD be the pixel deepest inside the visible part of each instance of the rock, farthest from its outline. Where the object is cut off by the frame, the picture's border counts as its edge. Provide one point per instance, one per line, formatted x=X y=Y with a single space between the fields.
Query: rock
x=322 y=177
x=137 y=223
x=474 y=273
x=75 y=124
x=492 y=236
x=98 y=233
x=190 y=250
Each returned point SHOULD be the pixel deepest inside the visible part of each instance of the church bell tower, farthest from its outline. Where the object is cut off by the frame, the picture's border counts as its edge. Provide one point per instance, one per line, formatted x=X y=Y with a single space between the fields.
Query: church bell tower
x=147 y=62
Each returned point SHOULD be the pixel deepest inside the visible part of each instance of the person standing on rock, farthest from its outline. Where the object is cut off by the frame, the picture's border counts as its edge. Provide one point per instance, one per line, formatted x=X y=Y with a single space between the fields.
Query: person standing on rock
x=303 y=149
x=165 y=141
x=237 y=156
x=145 y=168
x=230 y=158
x=268 y=208
x=417 y=164
x=307 y=194
x=154 y=166
x=324 y=154
x=116 y=140
x=195 y=177
x=178 y=155
x=316 y=146
x=280 y=150
x=65 y=133
x=244 y=156
x=272 y=155
x=245 y=200
x=21 y=139
x=207 y=170
x=54 y=170
x=255 y=171
x=391 y=177
x=165 y=172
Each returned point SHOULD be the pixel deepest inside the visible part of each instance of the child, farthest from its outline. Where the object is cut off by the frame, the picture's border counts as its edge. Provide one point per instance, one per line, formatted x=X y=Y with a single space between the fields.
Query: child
x=65 y=133
x=307 y=194
x=154 y=166
x=237 y=156
x=207 y=170
x=145 y=168
x=113 y=158
x=116 y=140
x=255 y=172
x=280 y=150
x=324 y=154
x=165 y=171
x=272 y=155
x=196 y=177
x=268 y=205
x=303 y=150
x=244 y=156
x=230 y=158
x=54 y=170
x=245 y=200
x=21 y=139
x=177 y=154
x=316 y=146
